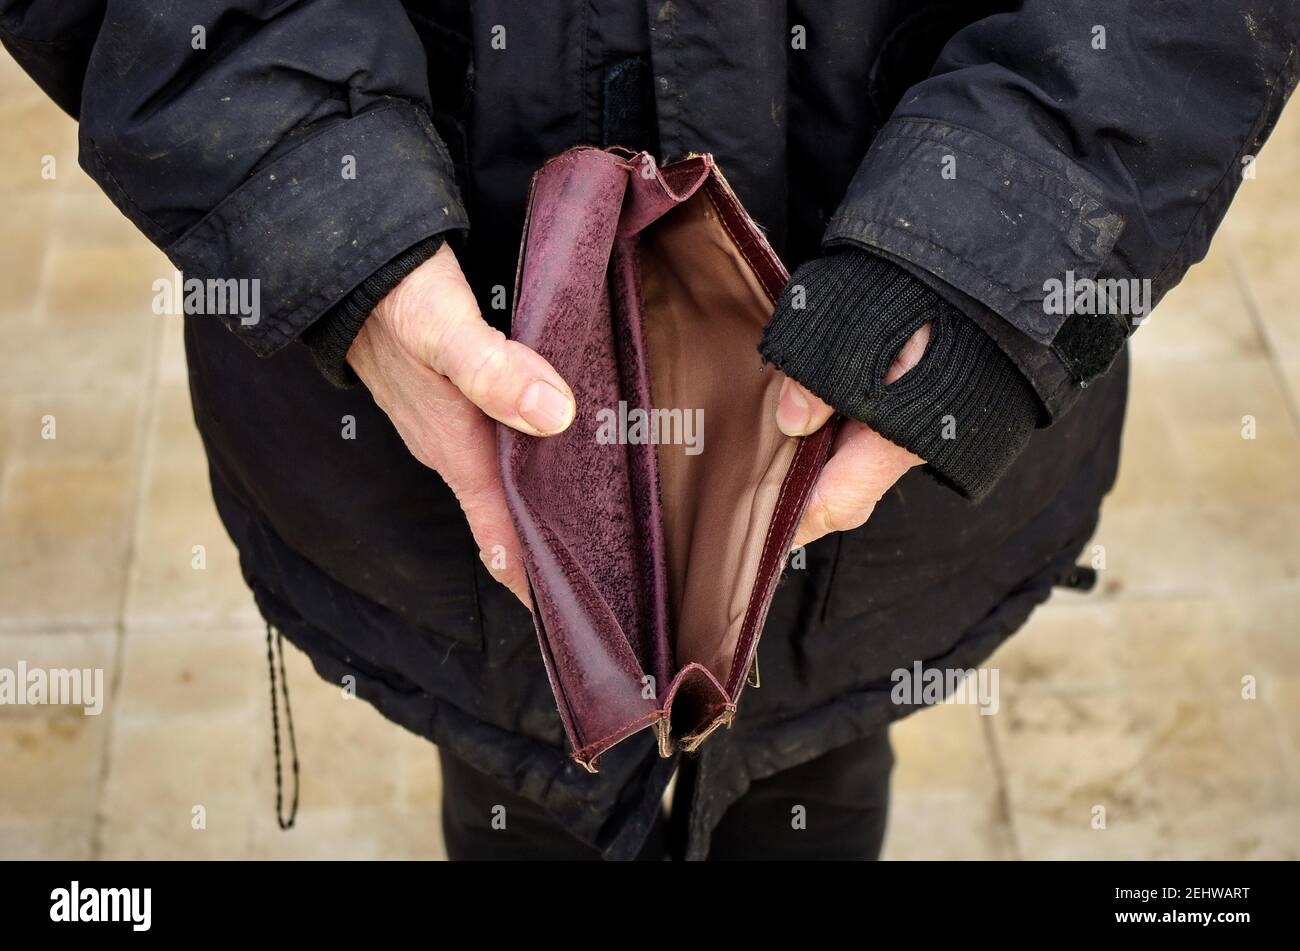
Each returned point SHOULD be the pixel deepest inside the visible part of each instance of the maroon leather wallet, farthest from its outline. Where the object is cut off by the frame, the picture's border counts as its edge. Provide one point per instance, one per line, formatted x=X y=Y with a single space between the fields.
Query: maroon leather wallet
x=656 y=527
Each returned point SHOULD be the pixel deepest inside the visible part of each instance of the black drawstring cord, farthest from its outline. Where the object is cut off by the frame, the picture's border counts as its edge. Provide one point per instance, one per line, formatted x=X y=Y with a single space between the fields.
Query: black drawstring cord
x=275 y=730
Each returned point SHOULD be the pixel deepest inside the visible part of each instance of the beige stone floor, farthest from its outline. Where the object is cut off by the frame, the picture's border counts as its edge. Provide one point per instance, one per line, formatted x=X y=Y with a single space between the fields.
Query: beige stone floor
x=1128 y=698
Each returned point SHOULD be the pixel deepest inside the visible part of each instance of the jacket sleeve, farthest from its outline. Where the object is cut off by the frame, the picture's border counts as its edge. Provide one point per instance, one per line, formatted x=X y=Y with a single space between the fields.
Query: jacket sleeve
x=279 y=142
x=1069 y=141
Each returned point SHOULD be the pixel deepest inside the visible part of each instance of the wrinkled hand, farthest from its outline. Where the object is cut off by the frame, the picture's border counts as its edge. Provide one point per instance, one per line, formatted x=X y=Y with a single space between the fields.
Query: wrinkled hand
x=863 y=464
x=442 y=374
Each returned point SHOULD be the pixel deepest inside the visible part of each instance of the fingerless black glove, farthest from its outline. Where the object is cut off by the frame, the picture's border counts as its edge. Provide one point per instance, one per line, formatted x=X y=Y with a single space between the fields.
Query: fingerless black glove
x=964 y=408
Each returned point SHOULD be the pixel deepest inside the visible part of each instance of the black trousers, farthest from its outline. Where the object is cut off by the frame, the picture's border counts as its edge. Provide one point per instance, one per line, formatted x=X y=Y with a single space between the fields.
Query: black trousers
x=830 y=808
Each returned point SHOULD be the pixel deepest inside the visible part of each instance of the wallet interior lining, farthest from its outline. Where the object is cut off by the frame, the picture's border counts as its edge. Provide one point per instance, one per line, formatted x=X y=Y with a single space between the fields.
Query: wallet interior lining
x=704 y=312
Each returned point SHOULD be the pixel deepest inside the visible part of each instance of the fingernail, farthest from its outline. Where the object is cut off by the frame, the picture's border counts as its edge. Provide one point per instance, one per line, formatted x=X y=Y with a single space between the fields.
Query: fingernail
x=793 y=414
x=545 y=408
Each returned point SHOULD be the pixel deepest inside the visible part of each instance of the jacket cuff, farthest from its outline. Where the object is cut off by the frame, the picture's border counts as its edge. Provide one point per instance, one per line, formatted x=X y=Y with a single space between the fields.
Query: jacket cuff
x=901 y=201
x=386 y=183
x=964 y=408
x=329 y=338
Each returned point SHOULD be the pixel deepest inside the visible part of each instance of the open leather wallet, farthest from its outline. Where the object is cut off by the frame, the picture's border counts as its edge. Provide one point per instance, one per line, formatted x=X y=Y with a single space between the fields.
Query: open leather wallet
x=652 y=565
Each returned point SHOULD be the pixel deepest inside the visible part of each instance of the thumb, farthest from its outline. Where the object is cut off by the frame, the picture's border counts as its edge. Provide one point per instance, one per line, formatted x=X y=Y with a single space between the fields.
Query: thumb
x=799 y=412
x=505 y=379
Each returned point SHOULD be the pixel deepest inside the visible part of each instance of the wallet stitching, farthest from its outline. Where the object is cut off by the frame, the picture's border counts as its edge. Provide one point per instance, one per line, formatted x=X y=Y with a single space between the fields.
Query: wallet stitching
x=809 y=479
x=770 y=261
x=639 y=723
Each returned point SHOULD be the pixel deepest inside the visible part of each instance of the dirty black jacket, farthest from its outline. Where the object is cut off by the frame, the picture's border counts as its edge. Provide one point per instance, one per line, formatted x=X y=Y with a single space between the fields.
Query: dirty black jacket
x=1094 y=139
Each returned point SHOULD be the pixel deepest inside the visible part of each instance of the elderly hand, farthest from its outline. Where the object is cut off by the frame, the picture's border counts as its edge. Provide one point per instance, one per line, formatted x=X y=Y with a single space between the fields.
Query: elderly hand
x=863 y=464
x=442 y=374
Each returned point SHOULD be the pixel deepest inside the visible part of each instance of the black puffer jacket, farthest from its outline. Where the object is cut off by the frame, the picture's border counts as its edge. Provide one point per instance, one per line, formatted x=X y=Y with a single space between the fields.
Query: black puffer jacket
x=1092 y=138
